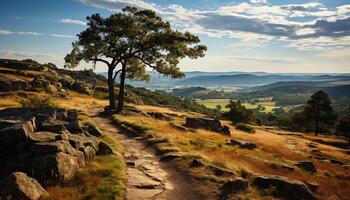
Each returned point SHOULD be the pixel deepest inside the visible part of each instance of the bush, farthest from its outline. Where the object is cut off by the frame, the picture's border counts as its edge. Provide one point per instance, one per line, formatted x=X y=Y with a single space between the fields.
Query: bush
x=238 y=113
x=342 y=127
x=245 y=127
x=37 y=102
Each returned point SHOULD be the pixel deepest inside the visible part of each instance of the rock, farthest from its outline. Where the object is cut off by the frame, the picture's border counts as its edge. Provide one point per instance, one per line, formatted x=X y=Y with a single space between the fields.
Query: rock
x=44 y=148
x=12 y=84
x=93 y=130
x=58 y=167
x=82 y=87
x=312 y=145
x=104 y=149
x=220 y=171
x=169 y=156
x=285 y=188
x=306 y=165
x=40 y=83
x=19 y=186
x=233 y=186
x=72 y=115
x=197 y=163
x=179 y=127
x=74 y=127
x=11 y=135
x=43 y=137
x=241 y=144
x=208 y=124
x=160 y=116
x=89 y=152
x=313 y=186
x=53 y=125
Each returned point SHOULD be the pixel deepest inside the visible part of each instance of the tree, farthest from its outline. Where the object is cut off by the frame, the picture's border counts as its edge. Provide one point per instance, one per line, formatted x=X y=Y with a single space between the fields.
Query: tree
x=342 y=127
x=319 y=111
x=218 y=107
x=238 y=113
x=130 y=41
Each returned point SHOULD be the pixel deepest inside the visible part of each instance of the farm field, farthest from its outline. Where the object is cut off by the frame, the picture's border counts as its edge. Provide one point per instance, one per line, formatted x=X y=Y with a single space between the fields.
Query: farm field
x=212 y=103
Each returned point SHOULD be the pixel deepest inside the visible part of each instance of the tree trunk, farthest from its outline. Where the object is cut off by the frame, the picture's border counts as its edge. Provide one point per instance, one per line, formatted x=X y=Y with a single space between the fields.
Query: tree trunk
x=111 y=89
x=317 y=119
x=121 y=90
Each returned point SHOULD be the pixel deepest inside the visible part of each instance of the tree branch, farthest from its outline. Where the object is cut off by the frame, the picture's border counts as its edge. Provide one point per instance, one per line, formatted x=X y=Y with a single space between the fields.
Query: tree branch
x=116 y=73
x=100 y=60
x=145 y=62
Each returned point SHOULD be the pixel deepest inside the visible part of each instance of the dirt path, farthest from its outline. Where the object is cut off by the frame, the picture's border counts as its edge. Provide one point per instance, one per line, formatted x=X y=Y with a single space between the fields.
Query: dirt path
x=147 y=177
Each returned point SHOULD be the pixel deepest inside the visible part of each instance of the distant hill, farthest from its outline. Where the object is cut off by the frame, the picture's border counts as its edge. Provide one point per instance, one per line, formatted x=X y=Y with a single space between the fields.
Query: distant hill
x=241 y=80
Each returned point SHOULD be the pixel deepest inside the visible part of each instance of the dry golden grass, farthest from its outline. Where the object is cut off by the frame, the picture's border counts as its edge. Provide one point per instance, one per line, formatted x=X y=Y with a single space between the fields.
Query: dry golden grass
x=272 y=152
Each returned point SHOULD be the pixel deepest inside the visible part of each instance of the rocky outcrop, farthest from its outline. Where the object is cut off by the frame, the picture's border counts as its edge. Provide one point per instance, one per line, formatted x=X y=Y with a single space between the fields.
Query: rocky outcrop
x=285 y=188
x=82 y=87
x=306 y=165
x=241 y=144
x=19 y=186
x=11 y=84
x=51 y=145
x=160 y=116
x=233 y=186
x=207 y=124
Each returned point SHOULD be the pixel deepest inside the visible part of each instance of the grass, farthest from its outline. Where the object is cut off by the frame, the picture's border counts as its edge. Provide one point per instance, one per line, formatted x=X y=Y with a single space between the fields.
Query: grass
x=212 y=103
x=245 y=127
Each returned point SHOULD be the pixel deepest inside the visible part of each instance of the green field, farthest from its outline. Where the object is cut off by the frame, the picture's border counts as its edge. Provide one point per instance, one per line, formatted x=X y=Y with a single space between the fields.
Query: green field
x=212 y=103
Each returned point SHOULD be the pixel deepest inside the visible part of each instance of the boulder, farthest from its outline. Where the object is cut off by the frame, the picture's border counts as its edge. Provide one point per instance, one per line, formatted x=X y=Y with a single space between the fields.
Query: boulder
x=233 y=186
x=208 y=124
x=12 y=84
x=82 y=87
x=53 y=125
x=179 y=127
x=160 y=116
x=74 y=126
x=37 y=137
x=57 y=167
x=19 y=186
x=72 y=115
x=306 y=165
x=44 y=148
x=241 y=144
x=285 y=188
x=104 y=149
x=93 y=130
x=11 y=135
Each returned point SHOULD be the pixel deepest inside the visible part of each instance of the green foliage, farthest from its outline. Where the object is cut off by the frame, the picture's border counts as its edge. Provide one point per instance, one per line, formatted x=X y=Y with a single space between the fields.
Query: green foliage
x=245 y=127
x=238 y=113
x=161 y=98
x=31 y=61
x=38 y=102
x=342 y=127
x=318 y=114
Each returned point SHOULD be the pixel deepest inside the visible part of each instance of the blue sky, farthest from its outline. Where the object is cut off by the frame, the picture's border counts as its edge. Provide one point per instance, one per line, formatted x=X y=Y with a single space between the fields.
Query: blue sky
x=241 y=35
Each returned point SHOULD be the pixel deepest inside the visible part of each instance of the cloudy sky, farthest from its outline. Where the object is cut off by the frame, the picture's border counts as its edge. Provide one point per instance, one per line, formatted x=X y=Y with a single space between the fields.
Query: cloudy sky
x=241 y=35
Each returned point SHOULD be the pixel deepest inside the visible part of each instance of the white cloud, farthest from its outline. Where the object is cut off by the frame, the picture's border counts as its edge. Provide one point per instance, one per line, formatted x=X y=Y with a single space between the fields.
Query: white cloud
x=254 y=21
x=72 y=21
x=258 y=1
x=61 y=36
x=267 y=59
x=5 y=32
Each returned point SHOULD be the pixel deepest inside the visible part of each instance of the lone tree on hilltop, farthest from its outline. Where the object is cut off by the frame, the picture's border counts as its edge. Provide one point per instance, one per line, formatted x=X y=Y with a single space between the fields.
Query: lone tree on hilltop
x=130 y=41
x=319 y=110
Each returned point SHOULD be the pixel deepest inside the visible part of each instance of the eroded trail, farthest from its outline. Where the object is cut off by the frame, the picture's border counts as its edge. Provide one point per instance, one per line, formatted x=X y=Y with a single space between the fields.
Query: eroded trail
x=147 y=177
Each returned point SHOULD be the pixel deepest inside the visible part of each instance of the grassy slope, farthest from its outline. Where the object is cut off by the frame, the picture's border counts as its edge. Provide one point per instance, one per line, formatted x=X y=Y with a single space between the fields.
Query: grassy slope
x=273 y=151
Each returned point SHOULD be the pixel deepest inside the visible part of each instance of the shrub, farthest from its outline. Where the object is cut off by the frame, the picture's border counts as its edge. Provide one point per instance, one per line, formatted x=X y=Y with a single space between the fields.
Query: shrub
x=245 y=127
x=37 y=102
x=342 y=127
x=238 y=113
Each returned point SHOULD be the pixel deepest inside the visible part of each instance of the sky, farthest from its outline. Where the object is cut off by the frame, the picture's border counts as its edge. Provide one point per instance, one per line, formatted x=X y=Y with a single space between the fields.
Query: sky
x=241 y=35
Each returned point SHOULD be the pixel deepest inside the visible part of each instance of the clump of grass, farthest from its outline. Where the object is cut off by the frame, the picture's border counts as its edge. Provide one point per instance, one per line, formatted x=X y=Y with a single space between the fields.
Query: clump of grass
x=38 y=102
x=132 y=126
x=245 y=127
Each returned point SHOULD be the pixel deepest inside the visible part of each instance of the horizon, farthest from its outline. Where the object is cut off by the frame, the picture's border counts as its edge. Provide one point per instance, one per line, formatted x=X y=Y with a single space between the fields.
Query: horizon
x=242 y=35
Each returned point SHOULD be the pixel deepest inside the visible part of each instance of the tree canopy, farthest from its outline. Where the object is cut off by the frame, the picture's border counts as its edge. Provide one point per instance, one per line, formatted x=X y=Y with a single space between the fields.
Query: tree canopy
x=238 y=113
x=130 y=41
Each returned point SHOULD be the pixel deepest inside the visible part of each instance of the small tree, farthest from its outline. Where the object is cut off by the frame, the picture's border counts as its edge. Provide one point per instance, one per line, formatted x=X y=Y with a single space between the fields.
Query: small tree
x=130 y=41
x=342 y=127
x=238 y=113
x=319 y=110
